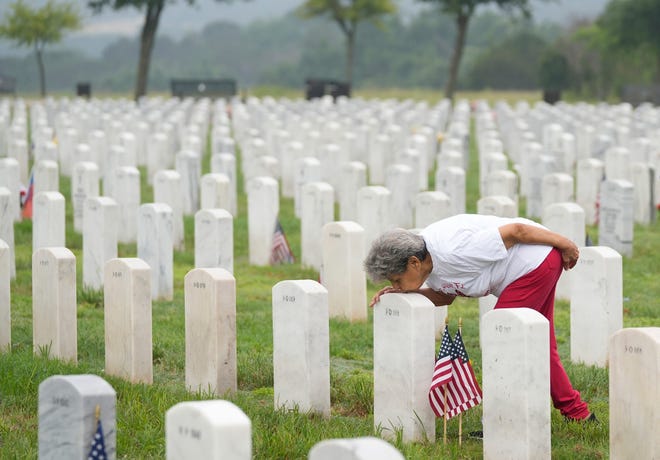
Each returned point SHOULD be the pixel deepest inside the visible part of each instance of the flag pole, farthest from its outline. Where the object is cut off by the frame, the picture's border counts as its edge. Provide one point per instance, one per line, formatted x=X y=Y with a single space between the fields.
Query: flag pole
x=460 y=415
x=444 y=402
x=97 y=413
x=444 y=417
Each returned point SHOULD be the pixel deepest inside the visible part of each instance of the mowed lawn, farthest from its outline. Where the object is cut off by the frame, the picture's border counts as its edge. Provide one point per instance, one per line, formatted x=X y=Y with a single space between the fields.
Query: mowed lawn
x=280 y=434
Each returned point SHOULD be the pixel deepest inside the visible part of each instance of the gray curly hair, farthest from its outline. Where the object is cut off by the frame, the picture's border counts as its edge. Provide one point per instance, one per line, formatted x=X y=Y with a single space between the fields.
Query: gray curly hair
x=390 y=252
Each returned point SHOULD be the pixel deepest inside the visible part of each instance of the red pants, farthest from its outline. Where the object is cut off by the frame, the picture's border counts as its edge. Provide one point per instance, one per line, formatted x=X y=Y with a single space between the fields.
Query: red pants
x=536 y=290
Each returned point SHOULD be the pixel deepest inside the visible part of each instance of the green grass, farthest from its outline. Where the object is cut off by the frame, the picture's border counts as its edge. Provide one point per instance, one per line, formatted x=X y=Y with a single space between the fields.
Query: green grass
x=279 y=434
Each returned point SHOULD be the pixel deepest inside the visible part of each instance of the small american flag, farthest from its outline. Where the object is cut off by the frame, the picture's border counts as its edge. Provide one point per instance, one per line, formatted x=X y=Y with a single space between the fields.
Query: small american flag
x=281 y=251
x=26 y=201
x=97 y=450
x=442 y=374
x=462 y=389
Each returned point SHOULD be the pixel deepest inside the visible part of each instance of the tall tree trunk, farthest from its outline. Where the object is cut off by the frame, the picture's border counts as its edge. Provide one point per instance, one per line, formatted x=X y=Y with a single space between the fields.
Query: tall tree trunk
x=461 y=32
x=350 y=49
x=42 y=71
x=147 y=38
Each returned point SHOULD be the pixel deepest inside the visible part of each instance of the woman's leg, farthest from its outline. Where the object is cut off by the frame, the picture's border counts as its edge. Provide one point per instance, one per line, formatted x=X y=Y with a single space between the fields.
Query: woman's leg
x=536 y=290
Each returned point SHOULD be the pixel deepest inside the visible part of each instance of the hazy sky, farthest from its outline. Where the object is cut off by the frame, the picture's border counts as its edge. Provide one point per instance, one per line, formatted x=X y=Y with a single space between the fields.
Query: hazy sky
x=179 y=18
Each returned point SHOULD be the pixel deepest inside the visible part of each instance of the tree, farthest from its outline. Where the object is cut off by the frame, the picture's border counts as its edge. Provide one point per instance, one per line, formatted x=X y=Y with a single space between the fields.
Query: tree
x=511 y=64
x=152 y=12
x=348 y=14
x=463 y=11
x=38 y=27
x=633 y=24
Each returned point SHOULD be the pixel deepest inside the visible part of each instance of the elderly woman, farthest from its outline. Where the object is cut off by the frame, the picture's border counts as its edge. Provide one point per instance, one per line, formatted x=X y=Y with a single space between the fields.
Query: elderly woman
x=517 y=260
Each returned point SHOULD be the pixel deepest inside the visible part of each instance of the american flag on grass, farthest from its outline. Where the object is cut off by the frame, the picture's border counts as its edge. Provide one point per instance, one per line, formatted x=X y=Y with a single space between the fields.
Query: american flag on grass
x=28 y=198
x=462 y=389
x=281 y=251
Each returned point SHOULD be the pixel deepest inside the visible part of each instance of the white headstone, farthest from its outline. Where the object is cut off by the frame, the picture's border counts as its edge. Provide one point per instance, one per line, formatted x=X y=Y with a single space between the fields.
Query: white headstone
x=365 y=448
x=353 y=178
x=9 y=179
x=589 y=175
x=189 y=166
x=401 y=179
x=213 y=430
x=7 y=227
x=167 y=189
x=502 y=182
x=643 y=176
x=317 y=209
x=290 y=154
x=214 y=239
x=127 y=318
x=380 y=154
x=84 y=184
x=556 y=188
x=617 y=163
x=343 y=275
x=215 y=192
x=155 y=247
x=210 y=308
x=404 y=353
x=634 y=393
x=500 y=205
x=67 y=416
x=225 y=163
x=46 y=177
x=82 y=152
x=48 y=220
x=18 y=149
x=567 y=219
x=416 y=161
x=449 y=158
x=431 y=207
x=100 y=229
x=516 y=384
x=263 y=207
x=5 y=298
x=596 y=303
x=451 y=181
x=98 y=145
x=539 y=167
x=306 y=169
x=489 y=164
x=301 y=346
x=373 y=212
x=127 y=195
x=54 y=303
x=158 y=155
x=616 y=222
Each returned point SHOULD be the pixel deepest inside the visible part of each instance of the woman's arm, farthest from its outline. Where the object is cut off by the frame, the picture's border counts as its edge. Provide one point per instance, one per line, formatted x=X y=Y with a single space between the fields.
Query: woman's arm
x=517 y=233
x=438 y=298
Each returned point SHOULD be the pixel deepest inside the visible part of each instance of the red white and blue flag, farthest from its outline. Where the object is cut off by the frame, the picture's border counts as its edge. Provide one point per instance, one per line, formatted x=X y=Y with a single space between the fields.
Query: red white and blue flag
x=26 y=202
x=281 y=251
x=460 y=392
x=442 y=374
x=97 y=449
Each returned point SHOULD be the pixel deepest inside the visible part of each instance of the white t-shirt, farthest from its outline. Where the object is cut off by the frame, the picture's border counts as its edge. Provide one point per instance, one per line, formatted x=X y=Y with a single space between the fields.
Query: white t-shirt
x=470 y=259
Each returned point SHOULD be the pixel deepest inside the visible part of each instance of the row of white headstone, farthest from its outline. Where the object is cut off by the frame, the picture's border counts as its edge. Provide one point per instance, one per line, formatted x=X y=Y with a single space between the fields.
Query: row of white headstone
x=388 y=208
x=594 y=287
x=516 y=413
x=212 y=429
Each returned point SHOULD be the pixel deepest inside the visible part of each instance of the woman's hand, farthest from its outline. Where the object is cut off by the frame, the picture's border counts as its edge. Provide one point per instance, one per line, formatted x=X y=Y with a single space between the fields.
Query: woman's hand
x=570 y=255
x=385 y=290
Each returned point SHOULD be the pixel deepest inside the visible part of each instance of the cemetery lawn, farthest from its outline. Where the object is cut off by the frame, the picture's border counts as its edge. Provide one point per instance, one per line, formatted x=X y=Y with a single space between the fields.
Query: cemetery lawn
x=280 y=434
